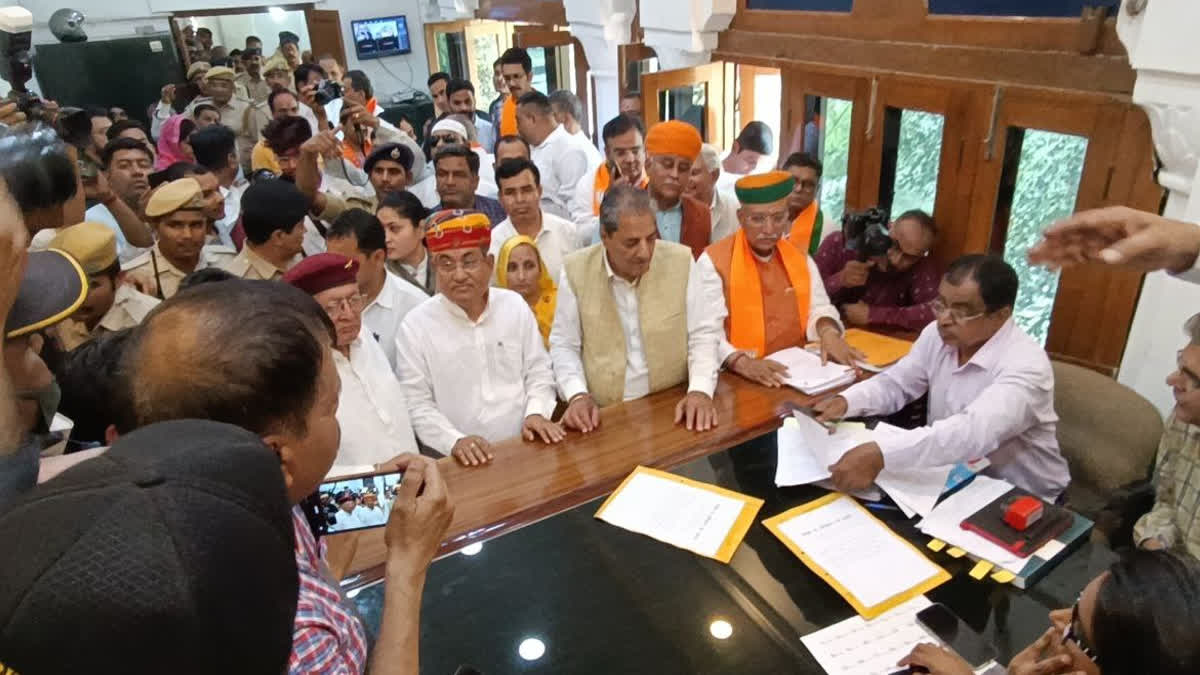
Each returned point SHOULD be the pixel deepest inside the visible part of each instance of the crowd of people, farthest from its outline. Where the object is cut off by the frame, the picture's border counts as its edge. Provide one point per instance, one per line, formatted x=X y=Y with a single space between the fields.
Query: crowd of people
x=322 y=293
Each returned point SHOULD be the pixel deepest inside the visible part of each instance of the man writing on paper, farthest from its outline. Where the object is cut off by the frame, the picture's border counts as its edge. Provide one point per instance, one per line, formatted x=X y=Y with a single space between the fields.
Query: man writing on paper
x=773 y=291
x=634 y=318
x=990 y=386
x=471 y=359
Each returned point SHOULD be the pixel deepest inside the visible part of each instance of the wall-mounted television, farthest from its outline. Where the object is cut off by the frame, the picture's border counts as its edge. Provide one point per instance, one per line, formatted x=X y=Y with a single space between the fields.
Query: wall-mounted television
x=384 y=36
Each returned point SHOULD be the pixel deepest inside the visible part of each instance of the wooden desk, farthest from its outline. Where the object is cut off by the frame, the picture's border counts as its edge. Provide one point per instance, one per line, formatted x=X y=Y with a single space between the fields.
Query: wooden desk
x=530 y=481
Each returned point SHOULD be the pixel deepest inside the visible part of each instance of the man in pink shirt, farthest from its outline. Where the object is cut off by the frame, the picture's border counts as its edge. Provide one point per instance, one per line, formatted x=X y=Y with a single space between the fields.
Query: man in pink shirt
x=990 y=386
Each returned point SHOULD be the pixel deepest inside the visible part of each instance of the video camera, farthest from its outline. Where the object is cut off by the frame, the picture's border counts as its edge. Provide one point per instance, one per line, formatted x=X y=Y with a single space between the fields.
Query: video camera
x=867 y=233
x=327 y=91
x=36 y=167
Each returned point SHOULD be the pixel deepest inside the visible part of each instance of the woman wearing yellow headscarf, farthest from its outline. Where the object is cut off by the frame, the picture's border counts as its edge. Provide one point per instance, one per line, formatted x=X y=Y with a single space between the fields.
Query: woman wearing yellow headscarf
x=520 y=268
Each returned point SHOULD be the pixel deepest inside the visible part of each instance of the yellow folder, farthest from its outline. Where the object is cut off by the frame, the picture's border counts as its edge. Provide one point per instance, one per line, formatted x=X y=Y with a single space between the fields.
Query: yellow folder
x=881 y=350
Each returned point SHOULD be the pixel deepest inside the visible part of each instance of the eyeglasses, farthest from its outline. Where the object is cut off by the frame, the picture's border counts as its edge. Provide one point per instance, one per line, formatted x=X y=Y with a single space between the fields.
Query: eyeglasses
x=436 y=139
x=940 y=308
x=1192 y=381
x=1073 y=633
x=469 y=265
x=778 y=218
x=353 y=303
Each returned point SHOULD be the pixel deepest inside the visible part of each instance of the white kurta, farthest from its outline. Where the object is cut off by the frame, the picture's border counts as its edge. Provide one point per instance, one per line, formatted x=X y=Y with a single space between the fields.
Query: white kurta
x=372 y=410
x=482 y=377
x=724 y=215
x=582 y=207
x=385 y=313
x=705 y=324
x=554 y=242
x=819 y=306
x=562 y=164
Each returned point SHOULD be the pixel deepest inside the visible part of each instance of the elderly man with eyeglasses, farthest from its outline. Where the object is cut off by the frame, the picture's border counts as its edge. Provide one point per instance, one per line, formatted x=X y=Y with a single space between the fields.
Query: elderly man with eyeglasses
x=471 y=358
x=892 y=291
x=990 y=387
x=372 y=411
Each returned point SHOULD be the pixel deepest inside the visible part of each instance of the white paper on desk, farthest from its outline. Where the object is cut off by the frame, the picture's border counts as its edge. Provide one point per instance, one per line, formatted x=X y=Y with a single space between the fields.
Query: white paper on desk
x=806 y=373
x=917 y=490
x=945 y=522
x=860 y=647
x=807 y=449
x=856 y=549
x=674 y=513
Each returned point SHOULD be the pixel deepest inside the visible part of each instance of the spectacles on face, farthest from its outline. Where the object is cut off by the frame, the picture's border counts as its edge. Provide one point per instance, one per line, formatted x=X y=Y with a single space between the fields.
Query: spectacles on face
x=940 y=309
x=1191 y=381
x=1073 y=633
x=778 y=218
x=353 y=303
x=437 y=139
x=469 y=264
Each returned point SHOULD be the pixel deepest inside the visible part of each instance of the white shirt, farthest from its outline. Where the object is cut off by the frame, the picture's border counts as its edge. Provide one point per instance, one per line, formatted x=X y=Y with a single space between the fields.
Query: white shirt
x=582 y=210
x=482 y=377
x=705 y=324
x=385 y=313
x=725 y=206
x=819 y=306
x=581 y=139
x=100 y=214
x=562 y=163
x=487 y=174
x=376 y=516
x=233 y=208
x=426 y=190
x=372 y=411
x=726 y=181
x=554 y=242
x=345 y=521
x=999 y=405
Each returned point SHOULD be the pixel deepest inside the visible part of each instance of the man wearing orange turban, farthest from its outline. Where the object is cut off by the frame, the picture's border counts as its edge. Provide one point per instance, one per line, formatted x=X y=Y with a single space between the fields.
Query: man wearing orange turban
x=671 y=149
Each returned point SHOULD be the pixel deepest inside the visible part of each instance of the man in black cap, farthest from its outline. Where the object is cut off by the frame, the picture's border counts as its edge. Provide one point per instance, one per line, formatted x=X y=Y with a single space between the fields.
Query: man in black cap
x=390 y=168
x=258 y=355
x=172 y=552
x=289 y=49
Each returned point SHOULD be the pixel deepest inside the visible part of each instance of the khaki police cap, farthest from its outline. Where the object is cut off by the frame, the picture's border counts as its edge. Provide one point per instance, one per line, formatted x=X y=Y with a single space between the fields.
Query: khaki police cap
x=93 y=245
x=177 y=195
x=223 y=72
x=197 y=68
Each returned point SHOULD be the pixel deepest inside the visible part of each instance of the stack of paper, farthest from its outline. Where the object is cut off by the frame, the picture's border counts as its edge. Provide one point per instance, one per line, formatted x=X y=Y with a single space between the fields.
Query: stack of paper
x=807 y=450
x=691 y=515
x=806 y=373
x=867 y=563
x=945 y=523
x=880 y=350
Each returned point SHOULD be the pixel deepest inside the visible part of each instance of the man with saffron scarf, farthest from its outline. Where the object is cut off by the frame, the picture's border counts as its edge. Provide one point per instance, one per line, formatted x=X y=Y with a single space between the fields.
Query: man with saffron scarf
x=804 y=211
x=772 y=290
x=517 y=69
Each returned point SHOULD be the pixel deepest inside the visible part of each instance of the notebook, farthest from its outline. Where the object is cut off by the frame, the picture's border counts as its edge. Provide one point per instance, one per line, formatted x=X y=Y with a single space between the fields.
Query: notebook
x=806 y=373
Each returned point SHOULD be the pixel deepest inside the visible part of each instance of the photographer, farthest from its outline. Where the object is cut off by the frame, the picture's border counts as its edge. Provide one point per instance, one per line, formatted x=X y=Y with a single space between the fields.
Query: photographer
x=880 y=275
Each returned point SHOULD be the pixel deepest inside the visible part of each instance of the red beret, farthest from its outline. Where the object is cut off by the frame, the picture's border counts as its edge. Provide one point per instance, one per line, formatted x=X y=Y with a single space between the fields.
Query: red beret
x=322 y=272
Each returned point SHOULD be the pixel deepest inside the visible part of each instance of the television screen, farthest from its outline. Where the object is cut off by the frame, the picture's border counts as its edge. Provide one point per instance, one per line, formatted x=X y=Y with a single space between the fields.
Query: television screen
x=376 y=38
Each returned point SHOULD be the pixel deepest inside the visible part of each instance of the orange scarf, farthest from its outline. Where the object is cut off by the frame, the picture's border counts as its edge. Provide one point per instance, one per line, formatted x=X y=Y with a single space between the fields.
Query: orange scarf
x=802 y=227
x=747 y=320
x=603 y=181
x=508 y=117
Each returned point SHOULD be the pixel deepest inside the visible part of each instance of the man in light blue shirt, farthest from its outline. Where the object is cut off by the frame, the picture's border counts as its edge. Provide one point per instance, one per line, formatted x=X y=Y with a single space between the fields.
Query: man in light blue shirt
x=127 y=166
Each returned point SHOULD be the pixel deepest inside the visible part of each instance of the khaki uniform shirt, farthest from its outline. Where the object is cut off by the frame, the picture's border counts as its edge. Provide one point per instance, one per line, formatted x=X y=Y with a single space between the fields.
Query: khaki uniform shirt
x=233 y=115
x=258 y=91
x=129 y=309
x=249 y=265
x=140 y=272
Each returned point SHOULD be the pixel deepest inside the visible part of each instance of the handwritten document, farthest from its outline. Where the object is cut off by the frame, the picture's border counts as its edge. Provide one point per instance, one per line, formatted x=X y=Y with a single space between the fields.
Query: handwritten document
x=688 y=514
x=857 y=646
x=867 y=563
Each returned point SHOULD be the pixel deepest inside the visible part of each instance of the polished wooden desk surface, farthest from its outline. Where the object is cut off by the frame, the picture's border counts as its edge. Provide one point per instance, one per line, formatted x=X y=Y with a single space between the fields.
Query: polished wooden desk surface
x=527 y=482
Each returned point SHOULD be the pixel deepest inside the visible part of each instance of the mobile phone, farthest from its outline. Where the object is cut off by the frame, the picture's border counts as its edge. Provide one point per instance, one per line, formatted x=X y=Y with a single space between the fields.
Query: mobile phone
x=957 y=635
x=613 y=172
x=352 y=503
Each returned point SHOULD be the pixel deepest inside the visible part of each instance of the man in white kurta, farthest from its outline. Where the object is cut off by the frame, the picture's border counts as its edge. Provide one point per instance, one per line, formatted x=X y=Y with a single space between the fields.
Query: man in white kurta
x=372 y=411
x=471 y=359
x=520 y=195
x=562 y=161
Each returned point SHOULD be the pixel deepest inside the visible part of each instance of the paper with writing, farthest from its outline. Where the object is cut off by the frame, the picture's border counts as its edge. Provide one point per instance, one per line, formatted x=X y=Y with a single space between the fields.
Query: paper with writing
x=675 y=513
x=857 y=646
x=807 y=449
x=855 y=549
x=945 y=522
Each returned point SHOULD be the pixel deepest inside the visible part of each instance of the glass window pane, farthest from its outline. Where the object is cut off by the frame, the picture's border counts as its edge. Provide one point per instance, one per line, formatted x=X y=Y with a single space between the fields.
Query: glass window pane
x=486 y=50
x=1047 y=171
x=916 y=137
x=687 y=103
x=538 y=56
x=634 y=71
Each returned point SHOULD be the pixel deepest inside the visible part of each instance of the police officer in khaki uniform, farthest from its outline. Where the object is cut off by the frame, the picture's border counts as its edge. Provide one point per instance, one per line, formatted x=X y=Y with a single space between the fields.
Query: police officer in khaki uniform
x=176 y=213
x=110 y=304
x=252 y=79
x=273 y=213
x=220 y=91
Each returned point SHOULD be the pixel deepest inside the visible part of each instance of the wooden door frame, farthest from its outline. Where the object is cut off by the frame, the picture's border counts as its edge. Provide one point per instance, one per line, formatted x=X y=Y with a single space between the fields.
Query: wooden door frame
x=719 y=77
x=527 y=37
x=339 y=52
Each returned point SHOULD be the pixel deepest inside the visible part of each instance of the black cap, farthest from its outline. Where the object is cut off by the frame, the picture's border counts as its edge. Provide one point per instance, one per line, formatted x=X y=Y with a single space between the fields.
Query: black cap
x=52 y=287
x=171 y=552
x=395 y=152
x=286 y=36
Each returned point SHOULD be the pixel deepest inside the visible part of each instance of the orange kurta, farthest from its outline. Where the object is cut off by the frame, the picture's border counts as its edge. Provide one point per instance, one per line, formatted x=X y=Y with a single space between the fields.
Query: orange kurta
x=784 y=327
